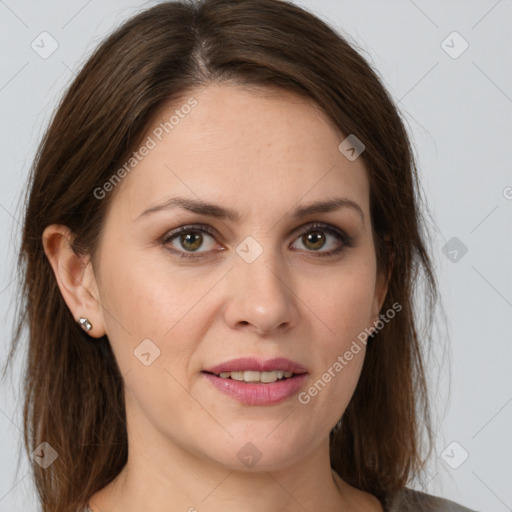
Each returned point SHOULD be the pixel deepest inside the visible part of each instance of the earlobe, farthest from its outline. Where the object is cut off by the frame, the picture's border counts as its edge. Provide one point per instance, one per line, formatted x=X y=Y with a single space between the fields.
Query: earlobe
x=383 y=290
x=74 y=276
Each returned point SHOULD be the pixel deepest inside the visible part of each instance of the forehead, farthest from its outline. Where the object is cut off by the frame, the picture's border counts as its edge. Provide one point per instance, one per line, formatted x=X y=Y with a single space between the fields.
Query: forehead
x=262 y=149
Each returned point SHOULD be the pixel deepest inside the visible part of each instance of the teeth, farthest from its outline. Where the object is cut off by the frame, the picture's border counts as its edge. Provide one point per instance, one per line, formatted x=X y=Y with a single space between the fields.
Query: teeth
x=250 y=376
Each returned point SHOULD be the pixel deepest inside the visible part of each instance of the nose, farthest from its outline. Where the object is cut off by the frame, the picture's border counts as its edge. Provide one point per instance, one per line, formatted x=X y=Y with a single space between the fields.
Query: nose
x=261 y=294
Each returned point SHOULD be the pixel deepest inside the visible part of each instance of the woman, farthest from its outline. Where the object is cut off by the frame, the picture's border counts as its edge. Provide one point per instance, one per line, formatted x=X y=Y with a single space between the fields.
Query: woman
x=221 y=244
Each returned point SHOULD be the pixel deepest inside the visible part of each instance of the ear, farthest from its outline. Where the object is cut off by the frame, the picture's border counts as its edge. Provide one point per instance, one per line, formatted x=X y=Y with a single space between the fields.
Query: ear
x=382 y=283
x=75 y=277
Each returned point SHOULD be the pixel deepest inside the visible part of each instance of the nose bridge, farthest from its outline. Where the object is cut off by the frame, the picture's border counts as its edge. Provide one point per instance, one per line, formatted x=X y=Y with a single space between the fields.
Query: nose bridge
x=264 y=275
x=260 y=293
x=256 y=252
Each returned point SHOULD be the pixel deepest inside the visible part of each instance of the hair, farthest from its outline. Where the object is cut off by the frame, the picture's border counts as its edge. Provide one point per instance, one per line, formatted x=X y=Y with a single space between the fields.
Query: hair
x=73 y=389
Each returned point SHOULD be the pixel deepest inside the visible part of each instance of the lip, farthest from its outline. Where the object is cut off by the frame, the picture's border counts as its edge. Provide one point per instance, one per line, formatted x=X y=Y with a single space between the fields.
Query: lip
x=251 y=393
x=257 y=365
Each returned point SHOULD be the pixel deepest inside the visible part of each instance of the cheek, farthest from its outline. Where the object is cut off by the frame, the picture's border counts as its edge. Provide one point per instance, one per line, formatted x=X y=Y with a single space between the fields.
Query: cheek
x=344 y=306
x=345 y=303
x=148 y=296
x=340 y=353
x=153 y=302
x=153 y=331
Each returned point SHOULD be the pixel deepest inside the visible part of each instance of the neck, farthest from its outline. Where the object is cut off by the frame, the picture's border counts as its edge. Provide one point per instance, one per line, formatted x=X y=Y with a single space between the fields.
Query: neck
x=157 y=481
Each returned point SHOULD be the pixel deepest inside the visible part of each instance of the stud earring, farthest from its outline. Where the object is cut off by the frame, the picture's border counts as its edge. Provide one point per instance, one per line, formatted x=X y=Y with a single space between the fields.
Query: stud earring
x=85 y=324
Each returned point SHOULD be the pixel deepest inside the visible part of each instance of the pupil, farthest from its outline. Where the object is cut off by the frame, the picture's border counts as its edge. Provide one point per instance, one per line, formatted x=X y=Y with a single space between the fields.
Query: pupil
x=186 y=239
x=315 y=237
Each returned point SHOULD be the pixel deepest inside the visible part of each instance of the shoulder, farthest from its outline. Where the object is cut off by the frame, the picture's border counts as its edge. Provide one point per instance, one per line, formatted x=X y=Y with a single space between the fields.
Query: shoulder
x=408 y=499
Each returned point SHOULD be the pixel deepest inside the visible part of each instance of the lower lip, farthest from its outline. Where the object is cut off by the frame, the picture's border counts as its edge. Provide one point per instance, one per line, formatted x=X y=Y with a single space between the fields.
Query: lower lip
x=255 y=393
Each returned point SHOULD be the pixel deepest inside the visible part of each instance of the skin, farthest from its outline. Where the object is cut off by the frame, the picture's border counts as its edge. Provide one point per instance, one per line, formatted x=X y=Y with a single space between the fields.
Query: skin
x=262 y=153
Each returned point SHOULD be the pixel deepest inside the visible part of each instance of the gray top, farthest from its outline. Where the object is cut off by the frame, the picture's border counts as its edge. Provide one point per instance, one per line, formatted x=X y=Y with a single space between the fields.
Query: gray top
x=409 y=500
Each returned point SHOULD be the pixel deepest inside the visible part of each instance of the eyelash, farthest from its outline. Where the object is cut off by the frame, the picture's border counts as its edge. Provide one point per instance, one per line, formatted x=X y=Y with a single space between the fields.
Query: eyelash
x=346 y=241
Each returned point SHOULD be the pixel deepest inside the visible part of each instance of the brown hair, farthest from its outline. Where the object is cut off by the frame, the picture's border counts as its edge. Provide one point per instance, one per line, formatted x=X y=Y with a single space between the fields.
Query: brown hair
x=74 y=395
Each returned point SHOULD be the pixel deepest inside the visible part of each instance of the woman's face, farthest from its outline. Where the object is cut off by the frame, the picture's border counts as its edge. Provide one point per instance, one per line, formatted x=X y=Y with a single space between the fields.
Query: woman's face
x=265 y=282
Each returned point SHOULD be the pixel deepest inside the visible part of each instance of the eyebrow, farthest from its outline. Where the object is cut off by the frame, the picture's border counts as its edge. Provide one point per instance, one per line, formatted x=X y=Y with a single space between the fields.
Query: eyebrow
x=220 y=212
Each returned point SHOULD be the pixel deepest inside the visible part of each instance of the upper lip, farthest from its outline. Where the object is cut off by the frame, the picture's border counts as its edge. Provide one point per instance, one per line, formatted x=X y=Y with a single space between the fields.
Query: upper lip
x=257 y=365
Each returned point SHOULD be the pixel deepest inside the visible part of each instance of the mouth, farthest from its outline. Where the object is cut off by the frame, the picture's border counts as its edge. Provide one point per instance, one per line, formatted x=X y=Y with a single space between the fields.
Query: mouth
x=257 y=382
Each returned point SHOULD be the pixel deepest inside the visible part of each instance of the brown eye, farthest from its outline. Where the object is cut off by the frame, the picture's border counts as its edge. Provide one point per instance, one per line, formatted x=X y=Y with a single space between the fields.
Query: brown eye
x=187 y=240
x=191 y=241
x=314 y=240
x=331 y=240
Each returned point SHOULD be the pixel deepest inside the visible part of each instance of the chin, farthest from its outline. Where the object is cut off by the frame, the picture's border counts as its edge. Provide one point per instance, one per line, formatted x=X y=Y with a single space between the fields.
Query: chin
x=259 y=452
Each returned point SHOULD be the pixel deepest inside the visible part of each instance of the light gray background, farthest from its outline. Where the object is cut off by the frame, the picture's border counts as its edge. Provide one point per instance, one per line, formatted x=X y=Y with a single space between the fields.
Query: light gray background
x=458 y=111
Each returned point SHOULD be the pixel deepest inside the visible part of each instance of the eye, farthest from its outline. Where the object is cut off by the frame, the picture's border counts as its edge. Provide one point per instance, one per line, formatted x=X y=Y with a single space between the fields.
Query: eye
x=186 y=241
x=316 y=237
